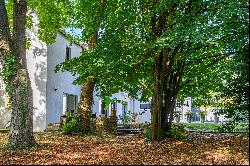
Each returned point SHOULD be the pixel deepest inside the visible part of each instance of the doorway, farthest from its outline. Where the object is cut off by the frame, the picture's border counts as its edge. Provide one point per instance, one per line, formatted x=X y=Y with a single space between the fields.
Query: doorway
x=70 y=104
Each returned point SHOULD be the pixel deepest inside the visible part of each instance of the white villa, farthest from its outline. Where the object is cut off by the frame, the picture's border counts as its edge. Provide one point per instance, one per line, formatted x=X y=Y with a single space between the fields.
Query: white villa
x=50 y=90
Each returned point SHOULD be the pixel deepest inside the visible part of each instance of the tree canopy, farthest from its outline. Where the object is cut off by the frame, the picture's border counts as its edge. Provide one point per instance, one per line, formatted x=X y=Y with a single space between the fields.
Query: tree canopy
x=199 y=35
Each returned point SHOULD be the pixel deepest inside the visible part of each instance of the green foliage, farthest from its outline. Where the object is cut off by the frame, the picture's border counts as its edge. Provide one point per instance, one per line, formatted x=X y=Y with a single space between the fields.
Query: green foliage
x=8 y=67
x=127 y=116
x=53 y=16
x=71 y=127
x=190 y=114
x=127 y=47
x=147 y=133
x=177 y=131
x=216 y=127
x=8 y=72
x=229 y=127
x=202 y=114
x=202 y=39
x=74 y=127
x=200 y=126
x=177 y=114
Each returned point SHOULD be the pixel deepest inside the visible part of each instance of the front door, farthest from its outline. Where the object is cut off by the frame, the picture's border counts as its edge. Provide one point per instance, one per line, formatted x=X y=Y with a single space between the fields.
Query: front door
x=70 y=104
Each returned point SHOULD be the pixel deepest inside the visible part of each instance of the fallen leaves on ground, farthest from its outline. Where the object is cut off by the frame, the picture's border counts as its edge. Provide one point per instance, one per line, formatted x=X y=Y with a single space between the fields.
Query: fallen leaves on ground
x=102 y=150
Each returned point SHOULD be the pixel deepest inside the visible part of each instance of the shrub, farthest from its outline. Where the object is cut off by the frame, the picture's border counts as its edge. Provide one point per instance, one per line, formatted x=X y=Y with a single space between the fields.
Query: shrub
x=70 y=127
x=73 y=127
x=190 y=114
x=177 y=114
x=229 y=127
x=147 y=133
x=202 y=114
x=200 y=126
x=177 y=131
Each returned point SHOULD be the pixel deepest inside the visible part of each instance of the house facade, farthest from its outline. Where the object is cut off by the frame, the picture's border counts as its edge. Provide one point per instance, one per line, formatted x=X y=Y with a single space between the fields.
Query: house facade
x=53 y=93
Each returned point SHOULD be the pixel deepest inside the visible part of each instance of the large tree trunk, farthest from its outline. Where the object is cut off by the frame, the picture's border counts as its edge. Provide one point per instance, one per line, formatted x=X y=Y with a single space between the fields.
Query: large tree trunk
x=21 y=126
x=86 y=102
x=170 y=90
x=21 y=133
x=167 y=111
x=157 y=99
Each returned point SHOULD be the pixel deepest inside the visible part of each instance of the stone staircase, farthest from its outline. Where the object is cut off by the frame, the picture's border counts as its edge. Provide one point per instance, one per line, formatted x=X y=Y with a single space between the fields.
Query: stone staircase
x=4 y=130
x=53 y=127
x=122 y=130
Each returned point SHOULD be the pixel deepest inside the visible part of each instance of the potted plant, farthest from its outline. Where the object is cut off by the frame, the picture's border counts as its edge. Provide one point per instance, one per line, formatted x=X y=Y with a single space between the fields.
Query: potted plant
x=216 y=118
x=202 y=115
x=177 y=115
x=189 y=115
x=68 y=113
x=113 y=112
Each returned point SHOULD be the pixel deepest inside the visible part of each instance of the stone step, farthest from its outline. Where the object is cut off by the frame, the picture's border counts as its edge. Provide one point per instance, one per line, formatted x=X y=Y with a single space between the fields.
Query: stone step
x=53 y=127
x=129 y=131
x=4 y=130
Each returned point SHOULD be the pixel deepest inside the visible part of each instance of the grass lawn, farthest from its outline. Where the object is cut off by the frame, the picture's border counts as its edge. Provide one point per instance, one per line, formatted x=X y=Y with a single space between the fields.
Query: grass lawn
x=62 y=149
x=213 y=127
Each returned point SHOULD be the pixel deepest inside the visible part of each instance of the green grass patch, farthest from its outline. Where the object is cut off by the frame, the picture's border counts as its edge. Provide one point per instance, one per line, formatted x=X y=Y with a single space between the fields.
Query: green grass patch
x=5 y=147
x=200 y=126
x=216 y=127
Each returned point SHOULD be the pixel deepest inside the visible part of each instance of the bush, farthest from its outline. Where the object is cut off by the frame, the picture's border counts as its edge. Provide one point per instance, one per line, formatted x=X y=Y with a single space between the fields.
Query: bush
x=190 y=114
x=176 y=131
x=229 y=127
x=242 y=127
x=147 y=133
x=202 y=114
x=73 y=127
x=200 y=126
x=70 y=127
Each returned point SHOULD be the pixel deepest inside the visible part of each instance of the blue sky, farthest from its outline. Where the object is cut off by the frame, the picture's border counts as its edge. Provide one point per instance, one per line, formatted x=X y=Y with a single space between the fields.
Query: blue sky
x=74 y=31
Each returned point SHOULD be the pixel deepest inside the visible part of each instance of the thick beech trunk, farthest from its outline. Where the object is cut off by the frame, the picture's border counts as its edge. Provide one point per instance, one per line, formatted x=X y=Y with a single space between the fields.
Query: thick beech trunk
x=157 y=98
x=167 y=111
x=86 y=102
x=21 y=133
x=21 y=125
x=165 y=90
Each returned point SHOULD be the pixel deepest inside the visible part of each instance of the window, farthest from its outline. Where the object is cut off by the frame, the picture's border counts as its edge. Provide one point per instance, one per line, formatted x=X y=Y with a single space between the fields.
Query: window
x=124 y=108
x=68 y=53
x=114 y=105
x=70 y=104
x=103 y=108
x=145 y=106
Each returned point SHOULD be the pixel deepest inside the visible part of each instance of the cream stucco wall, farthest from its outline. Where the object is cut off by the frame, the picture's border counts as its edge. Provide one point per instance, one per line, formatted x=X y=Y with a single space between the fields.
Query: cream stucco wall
x=36 y=56
x=59 y=83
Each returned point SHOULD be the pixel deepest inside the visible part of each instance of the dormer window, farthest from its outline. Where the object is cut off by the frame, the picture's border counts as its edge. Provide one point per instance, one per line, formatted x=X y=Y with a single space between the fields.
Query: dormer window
x=68 y=53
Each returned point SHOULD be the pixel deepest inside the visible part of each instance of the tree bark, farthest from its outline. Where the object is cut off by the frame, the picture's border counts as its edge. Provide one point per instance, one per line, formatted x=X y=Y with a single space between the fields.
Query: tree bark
x=86 y=102
x=157 y=98
x=21 y=125
x=21 y=133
